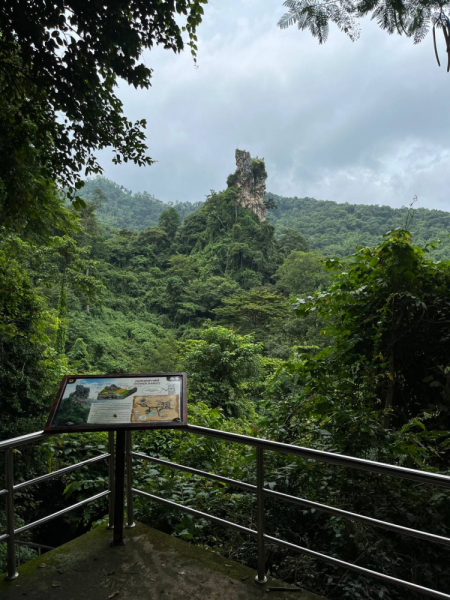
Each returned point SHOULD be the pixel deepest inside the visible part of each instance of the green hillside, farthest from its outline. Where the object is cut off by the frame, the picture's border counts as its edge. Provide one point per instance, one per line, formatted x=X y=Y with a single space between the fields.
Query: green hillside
x=293 y=320
x=337 y=229
x=352 y=358
x=119 y=208
x=333 y=229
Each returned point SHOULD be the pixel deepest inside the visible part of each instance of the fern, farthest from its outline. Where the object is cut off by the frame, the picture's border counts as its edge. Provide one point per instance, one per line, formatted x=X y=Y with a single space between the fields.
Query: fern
x=287 y=20
x=413 y=18
x=366 y=6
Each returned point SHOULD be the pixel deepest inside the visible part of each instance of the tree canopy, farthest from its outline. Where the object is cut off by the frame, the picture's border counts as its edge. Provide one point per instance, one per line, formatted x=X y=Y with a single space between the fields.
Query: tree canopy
x=59 y=68
x=364 y=371
x=387 y=313
x=413 y=19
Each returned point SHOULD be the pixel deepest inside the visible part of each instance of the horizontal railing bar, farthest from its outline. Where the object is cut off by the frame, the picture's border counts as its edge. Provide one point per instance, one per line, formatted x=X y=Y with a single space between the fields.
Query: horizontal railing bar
x=357 y=517
x=312 y=553
x=327 y=457
x=308 y=453
x=241 y=484
x=62 y=471
x=61 y=512
x=29 y=438
x=362 y=570
x=33 y=545
x=195 y=513
x=303 y=502
x=5 y=536
x=3 y=492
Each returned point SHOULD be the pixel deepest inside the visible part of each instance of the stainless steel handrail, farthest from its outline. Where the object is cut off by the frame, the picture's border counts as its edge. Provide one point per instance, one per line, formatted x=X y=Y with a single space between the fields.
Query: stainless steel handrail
x=8 y=447
x=38 y=547
x=165 y=463
x=60 y=472
x=327 y=457
x=295 y=500
x=34 y=545
x=436 y=479
x=261 y=492
x=61 y=512
x=308 y=453
x=339 y=512
x=196 y=513
x=29 y=438
x=362 y=570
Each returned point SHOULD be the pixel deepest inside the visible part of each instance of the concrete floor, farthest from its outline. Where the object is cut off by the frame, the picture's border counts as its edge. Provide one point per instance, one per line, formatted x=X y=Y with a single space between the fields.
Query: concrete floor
x=152 y=565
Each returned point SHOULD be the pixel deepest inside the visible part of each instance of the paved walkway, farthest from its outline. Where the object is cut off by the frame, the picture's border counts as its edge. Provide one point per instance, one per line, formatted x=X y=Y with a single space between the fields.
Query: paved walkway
x=151 y=566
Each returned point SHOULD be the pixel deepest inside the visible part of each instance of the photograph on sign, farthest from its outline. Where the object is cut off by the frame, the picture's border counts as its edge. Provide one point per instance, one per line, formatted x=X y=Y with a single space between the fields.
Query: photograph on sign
x=105 y=402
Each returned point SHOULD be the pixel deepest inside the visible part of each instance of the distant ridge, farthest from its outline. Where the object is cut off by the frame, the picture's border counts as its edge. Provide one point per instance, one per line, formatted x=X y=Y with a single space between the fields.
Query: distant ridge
x=121 y=209
x=337 y=229
x=334 y=229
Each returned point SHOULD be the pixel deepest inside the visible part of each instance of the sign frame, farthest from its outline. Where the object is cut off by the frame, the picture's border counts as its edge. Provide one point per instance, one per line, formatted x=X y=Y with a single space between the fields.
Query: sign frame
x=50 y=428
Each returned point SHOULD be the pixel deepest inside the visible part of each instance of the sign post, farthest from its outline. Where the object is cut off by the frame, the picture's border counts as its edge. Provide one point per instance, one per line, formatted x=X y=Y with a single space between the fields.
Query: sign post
x=119 y=403
x=119 y=492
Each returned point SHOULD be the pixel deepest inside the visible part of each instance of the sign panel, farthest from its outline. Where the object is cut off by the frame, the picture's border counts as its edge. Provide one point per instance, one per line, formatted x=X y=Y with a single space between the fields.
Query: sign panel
x=102 y=402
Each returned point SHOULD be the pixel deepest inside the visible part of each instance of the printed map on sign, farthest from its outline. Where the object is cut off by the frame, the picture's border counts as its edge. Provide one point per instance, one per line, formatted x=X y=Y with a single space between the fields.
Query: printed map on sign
x=155 y=408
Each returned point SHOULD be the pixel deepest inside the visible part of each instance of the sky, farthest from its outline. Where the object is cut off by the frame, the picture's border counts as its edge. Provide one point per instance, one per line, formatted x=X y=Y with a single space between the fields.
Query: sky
x=363 y=122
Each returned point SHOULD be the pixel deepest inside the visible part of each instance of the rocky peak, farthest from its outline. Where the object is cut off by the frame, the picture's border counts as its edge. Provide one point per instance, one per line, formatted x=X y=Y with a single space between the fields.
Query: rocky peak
x=250 y=179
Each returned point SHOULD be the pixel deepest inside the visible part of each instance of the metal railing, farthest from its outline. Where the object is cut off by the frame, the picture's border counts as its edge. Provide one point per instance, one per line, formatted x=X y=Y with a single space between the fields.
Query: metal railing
x=37 y=547
x=122 y=455
x=261 y=492
x=10 y=536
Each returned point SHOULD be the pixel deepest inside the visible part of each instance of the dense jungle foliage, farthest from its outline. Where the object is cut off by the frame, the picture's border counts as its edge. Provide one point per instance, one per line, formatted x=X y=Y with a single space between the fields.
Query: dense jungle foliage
x=282 y=335
x=316 y=327
x=331 y=228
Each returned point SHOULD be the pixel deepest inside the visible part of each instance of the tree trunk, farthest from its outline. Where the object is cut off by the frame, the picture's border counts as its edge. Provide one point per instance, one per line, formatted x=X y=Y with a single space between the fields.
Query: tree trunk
x=61 y=333
x=389 y=403
x=87 y=274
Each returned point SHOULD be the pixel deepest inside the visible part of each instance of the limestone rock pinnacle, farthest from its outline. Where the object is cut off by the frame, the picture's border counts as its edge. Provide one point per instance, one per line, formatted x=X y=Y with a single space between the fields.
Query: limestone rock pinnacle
x=250 y=179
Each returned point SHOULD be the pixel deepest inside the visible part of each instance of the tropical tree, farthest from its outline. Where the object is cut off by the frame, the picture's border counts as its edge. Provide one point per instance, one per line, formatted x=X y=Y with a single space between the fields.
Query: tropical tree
x=29 y=367
x=59 y=67
x=291 y=240
x=413 y=19
x=170 y=222
x=388 y=314
x=302 y=273
x=67 y=265
x=252 y=310
x=28 y=196
x=221 y=365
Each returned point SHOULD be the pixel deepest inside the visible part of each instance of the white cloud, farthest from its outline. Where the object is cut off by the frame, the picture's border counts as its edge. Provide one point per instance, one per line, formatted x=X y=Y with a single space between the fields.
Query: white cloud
x=357 y=122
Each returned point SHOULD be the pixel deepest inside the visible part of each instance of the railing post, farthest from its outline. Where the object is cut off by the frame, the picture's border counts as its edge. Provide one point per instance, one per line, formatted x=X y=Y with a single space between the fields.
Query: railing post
x=111 y=480
x=261 y=576
x=10 y=526
x=129 y=461
x=119 y=495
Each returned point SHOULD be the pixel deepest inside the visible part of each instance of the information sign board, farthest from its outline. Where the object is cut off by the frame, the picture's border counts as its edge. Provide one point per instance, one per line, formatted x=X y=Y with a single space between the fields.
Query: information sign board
x=104 y=402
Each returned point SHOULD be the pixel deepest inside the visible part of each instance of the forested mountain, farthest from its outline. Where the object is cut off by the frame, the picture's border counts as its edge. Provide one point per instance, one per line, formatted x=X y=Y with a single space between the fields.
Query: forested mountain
x=333 y=229
x=343 y=354
x=307 y=322
x=118 y=207
x=337 y=229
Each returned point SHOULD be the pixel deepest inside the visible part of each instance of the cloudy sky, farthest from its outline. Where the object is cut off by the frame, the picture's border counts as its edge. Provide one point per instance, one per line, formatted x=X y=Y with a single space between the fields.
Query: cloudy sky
x=363 y=122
